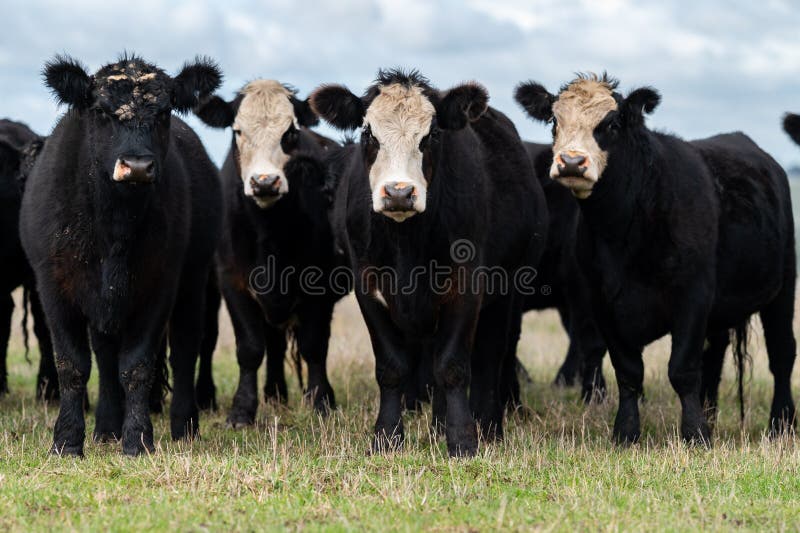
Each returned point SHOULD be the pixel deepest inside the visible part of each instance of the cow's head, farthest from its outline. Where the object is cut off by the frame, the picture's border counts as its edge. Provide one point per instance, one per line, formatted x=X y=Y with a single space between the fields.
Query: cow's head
x=266 y=117
x=401 y=116
x=791 y=124
x=128 y=106
x=589 y=118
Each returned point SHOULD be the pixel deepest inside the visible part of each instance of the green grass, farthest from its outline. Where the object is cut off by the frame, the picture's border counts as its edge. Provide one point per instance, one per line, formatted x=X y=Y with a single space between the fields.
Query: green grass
x=556 y=470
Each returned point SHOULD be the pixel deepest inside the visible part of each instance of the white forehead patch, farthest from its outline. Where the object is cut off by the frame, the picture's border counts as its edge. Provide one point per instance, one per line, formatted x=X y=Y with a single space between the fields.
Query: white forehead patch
x=264 y=115
x=399 y=117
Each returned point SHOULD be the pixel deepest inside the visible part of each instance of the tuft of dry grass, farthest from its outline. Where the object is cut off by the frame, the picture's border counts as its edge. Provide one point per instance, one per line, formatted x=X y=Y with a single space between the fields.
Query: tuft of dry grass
x=556 y=470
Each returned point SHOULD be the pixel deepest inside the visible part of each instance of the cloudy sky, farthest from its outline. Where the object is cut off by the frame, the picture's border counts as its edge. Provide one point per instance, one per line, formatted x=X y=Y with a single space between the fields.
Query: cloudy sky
x=721 y=65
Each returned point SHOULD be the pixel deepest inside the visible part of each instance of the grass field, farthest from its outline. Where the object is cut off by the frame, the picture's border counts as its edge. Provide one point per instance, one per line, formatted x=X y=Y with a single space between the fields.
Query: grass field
x=293 y=470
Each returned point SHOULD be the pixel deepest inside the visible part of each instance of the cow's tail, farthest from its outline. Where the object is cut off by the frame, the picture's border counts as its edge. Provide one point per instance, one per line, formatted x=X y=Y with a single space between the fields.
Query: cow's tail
x=26 y=300
x=294 y=353
x=741 y=358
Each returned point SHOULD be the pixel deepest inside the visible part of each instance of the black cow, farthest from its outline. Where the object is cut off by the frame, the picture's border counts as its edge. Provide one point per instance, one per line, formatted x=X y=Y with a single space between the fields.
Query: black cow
x=276 y=231
x=120 y=219
x=18 y=143
x=687 y=238
x=565 y=286
x=438 y=189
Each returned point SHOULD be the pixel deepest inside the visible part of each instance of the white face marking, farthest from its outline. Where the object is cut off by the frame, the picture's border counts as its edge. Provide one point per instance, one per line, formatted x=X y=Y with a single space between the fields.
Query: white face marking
x=399 y=117
x=264 y=115
x=578 y=111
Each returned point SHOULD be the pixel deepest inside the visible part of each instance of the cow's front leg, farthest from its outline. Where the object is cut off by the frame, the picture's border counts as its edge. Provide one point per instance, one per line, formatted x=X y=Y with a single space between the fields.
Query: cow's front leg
x=391 y=372
x=451 y=369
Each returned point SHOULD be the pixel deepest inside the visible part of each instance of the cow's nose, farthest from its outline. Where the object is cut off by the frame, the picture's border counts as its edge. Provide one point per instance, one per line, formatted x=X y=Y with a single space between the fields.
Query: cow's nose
x=571 y=165
x=399 y=196
x=265 y=184
x=140 y=169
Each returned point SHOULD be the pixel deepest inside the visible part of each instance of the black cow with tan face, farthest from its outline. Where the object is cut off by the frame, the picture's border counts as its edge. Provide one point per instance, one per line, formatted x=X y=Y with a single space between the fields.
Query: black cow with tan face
x=276 y=227
x=686 y=238
x=18 y=145
x=120 y=220
x=438 y=182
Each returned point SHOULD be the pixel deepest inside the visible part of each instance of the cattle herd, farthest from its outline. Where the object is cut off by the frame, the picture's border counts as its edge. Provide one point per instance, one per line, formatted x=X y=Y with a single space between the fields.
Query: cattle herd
x=125 y=238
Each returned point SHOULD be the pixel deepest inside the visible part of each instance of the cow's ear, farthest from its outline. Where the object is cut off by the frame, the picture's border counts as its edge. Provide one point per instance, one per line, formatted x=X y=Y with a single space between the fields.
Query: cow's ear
x=68 y=80
x=791 y=124
x=461 y=105
x=639 y=102
x=535 y=100
x=303 y=112
x=9 y=155
x=195 y=82
x=216 y=112
x=338 y=106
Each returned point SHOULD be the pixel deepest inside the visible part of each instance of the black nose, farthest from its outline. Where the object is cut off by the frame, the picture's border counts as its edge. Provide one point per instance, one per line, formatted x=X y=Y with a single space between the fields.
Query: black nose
x=265 y=185
x=135 y=169
x=571 y=165
x=399 y=196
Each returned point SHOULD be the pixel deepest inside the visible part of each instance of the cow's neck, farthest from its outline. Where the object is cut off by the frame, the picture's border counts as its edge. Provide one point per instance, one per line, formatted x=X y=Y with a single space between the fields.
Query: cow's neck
x=621 y=195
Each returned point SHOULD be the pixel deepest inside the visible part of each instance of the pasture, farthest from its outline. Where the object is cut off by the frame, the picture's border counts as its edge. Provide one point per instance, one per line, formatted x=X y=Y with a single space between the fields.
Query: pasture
x=556 y=470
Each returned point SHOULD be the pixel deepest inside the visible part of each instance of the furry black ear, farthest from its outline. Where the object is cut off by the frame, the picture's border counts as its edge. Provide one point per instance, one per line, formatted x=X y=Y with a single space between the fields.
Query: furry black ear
x=10 y=155
x=791 y=124
x=461 y=105
x=642 y=100
x=216 y=112
x=338 y=106
x=68 y=80
x=305 y=115
x=195 y=81
x=535 y=100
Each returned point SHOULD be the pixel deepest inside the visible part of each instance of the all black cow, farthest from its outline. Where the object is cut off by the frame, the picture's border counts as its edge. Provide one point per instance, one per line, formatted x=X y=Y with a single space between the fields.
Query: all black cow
x=18 y=144
x=687 y=238
x=276 y=256
x=791 y=124
x=120 y=220
x=439 y=186
x=566 y=287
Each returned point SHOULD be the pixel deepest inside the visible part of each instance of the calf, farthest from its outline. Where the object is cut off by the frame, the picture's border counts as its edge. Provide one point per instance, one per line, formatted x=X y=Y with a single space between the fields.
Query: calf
x=275 y=229
x=687 y=238
x=120 y=220
x=17 y=145
x=438 y=182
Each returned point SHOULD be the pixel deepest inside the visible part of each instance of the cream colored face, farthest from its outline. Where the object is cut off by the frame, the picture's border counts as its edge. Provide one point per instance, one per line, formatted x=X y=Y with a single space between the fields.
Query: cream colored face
x=264 y=115
x=578 y=111
x=399 y=117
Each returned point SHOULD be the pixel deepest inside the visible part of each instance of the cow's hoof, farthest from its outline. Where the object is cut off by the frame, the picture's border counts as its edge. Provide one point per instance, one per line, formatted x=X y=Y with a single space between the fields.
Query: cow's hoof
x=64 y=450
x=240 y=419
x=387 y=441
x=206 y=396
x=276 y=393
x=696 y=434
x=106 y=435
x=462 y=441
x=183 y=428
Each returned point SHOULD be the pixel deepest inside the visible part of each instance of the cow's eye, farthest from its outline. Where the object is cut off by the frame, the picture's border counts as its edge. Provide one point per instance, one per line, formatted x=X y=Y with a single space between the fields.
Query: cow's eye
x=289 y=139
x=369 y=139
x=425 y=143
x=238 y=133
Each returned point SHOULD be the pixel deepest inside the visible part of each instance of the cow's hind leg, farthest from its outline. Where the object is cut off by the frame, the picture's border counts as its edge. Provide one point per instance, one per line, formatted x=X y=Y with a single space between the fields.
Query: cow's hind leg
x=313 y=332
x=777 y=320
x=713 y=359
x=6 y=310
x=47 y=378
x=205 y=390
x=185 y=337
x=275 y=387
x=109 y=414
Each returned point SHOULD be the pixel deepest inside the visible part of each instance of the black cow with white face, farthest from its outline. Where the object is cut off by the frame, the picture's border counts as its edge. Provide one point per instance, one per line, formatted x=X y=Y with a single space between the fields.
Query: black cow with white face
x=437 y=178
x=120 y=220
x=18 y=145
x=276 y=218
x=687 y=238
